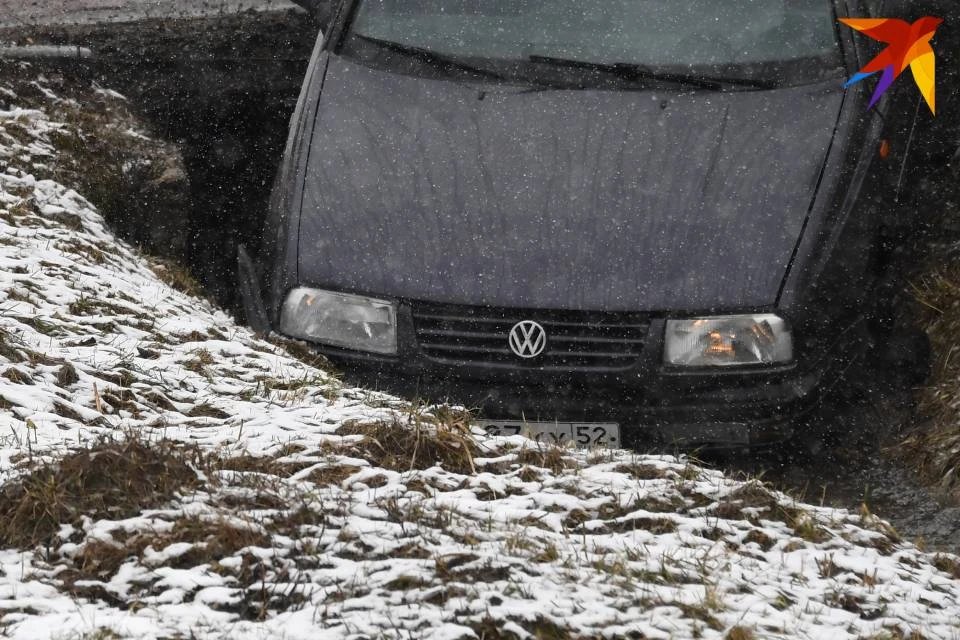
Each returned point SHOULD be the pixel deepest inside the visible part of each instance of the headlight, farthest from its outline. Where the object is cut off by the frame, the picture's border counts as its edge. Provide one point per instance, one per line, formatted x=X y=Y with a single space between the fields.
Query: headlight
x=725 y=341
x=341 y=320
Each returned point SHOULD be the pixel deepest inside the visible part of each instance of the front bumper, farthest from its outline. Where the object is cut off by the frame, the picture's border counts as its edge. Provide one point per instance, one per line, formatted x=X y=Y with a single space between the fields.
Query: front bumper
x=654 y=405
x=722 y=417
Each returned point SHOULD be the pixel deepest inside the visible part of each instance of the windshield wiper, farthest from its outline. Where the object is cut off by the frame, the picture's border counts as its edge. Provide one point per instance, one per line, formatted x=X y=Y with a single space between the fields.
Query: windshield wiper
x=638 y=73
x=438 y=60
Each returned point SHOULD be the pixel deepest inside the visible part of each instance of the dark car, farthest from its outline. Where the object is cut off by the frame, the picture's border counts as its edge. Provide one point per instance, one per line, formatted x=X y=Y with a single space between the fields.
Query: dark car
x=596 y=221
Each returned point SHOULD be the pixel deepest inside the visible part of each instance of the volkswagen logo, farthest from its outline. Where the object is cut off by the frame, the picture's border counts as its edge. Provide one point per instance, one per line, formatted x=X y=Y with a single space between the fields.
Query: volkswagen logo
x=528 y=339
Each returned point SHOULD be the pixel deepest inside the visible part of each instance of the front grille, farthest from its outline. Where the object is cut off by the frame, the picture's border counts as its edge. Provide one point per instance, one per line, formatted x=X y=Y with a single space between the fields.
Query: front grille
x=575 y=340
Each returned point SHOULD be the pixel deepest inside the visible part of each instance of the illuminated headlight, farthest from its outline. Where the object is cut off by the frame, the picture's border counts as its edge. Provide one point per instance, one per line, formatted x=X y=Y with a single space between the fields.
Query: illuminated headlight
x=725 y=341
x=341 y=320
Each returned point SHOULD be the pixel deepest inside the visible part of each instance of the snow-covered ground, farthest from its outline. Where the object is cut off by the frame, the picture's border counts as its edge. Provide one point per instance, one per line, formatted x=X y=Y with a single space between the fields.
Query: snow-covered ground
x=314 y=510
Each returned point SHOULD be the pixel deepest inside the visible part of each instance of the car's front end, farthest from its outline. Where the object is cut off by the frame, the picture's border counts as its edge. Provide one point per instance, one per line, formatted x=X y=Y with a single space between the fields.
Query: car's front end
x=596 y=369
x=592 y=251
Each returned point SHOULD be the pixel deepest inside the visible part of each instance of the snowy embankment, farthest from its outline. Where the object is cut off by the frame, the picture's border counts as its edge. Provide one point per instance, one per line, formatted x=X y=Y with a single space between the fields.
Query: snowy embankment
x=165 y=473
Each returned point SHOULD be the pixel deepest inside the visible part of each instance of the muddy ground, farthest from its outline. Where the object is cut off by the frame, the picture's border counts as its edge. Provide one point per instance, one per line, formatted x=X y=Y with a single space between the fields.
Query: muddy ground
x=862 y=467
x=20 y=13
x=223 y=87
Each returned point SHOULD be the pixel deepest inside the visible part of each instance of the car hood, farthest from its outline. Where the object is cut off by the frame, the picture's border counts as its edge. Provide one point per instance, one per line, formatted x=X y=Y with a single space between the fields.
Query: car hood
x=576 y=199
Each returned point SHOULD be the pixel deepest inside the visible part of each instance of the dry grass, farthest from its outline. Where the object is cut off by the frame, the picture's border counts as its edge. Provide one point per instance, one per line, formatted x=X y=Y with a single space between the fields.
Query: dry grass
x=936 y=446
x=540 y=628
x=17 y=376
x=758 y=537
x=948 y=564
x=67 y=375
x=643 y=471
x=263 y=465
x=107 y=480
x=745 y=501
x=755 y=502
x=207 y=411
x=301 y=351
x=211 y=540
x=419 y=443
x=9 y=347
x=177 y=276
x=115 y=480
x=545 y=456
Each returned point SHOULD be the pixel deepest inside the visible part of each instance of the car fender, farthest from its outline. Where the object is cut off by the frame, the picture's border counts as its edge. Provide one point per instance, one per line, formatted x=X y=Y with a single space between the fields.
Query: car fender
x=278 y=252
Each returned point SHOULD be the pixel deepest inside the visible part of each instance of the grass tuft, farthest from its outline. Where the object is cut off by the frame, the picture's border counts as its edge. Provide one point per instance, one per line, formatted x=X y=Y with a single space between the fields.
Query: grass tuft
x=176 y=276
x=263 y=465
x=17 y=376
x=420 y=444
x=107 y=480
x=67 y=375
x=205 y=410
x=301 y=351
x=552 y=457
x=739 y=633
x=489 y=628
x=643 y=471
x=948 y=564
x=935 y=447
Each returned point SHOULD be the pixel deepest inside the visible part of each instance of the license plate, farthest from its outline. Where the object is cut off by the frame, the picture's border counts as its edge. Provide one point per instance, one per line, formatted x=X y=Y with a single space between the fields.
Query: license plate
x=582 y=434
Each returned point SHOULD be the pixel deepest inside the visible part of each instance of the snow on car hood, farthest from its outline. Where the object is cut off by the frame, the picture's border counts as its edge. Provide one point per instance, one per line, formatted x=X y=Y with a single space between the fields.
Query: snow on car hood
x=580 y=199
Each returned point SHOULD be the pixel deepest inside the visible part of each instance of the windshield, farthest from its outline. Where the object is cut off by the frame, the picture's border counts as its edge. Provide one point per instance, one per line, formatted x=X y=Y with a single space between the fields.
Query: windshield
x=793 y=39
